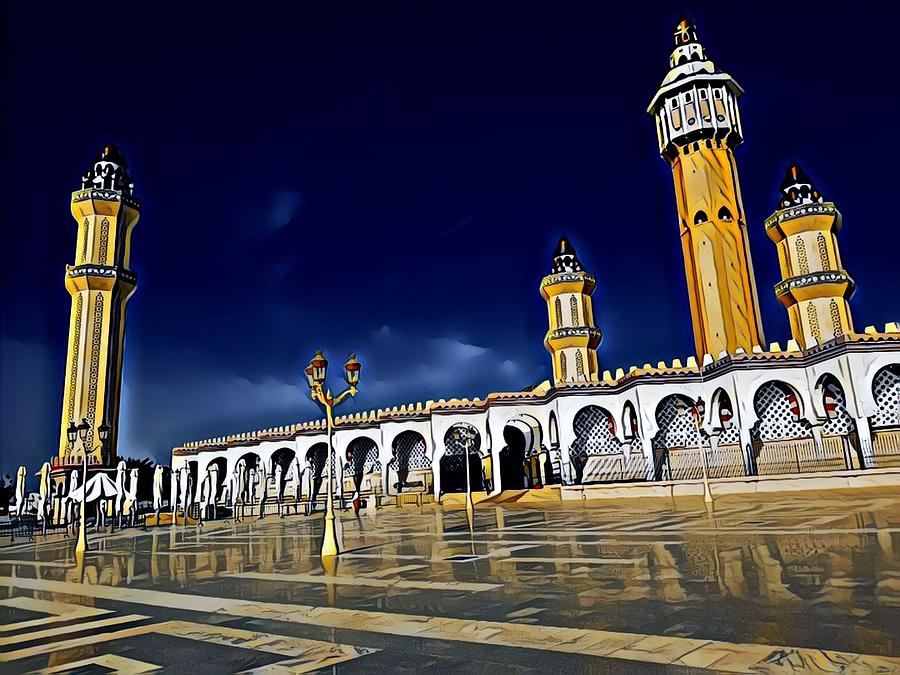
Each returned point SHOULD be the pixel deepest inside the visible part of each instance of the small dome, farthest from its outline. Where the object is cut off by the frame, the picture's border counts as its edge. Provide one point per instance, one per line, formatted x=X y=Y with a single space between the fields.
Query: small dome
x=109 y=172
x=565 y=259
x=797 y=188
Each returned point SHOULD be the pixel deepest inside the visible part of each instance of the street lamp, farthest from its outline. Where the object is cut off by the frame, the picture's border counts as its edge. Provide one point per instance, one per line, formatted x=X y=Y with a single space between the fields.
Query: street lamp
x=71 y=437
x=103 y=433
x=83 y=431
x=315 y=376
x=465 y=436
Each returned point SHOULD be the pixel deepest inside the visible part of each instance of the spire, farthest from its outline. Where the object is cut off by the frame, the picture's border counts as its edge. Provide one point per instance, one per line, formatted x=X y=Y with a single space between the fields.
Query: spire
x=565 y=259
x=685 y=32
x=109 y=172
x=797 y=188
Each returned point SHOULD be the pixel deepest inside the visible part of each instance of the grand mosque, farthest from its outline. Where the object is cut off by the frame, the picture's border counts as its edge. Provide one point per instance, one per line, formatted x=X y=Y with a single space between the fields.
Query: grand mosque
x=826 y=400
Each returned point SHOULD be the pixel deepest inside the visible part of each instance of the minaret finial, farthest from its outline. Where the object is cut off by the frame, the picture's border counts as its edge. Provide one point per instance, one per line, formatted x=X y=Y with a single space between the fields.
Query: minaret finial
x=108 y=172
x=797 y=188
x=565 y=258
x=685 y=31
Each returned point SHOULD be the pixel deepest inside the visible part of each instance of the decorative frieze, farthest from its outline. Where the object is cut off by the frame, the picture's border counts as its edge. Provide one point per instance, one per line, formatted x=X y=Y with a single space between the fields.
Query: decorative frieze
x=106 y=271
x=833 y=277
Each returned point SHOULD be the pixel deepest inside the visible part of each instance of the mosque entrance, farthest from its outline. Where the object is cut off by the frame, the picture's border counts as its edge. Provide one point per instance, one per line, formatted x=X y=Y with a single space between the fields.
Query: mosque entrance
x=453 y=473
x=512 y=459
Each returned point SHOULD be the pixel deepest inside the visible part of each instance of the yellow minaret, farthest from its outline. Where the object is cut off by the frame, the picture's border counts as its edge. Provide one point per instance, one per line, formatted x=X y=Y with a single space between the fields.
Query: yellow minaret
x=572 y=339
x=815 y=288
x=100 y=283
x=699 y=127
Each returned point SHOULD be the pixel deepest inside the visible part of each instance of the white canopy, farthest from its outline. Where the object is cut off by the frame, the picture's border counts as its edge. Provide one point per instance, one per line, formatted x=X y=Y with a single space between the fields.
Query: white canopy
x=98 y=487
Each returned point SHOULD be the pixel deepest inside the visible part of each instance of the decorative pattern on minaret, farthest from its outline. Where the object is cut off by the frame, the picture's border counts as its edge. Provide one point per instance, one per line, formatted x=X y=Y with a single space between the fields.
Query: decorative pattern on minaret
x=817 y=295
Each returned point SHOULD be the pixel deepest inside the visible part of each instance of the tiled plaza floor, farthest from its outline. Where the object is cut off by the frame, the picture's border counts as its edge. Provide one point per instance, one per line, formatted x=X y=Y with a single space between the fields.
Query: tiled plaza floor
x=796 y=584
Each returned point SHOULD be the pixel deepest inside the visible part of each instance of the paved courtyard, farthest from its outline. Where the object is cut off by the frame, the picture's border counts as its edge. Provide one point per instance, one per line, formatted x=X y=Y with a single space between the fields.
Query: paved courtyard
x=805 y=583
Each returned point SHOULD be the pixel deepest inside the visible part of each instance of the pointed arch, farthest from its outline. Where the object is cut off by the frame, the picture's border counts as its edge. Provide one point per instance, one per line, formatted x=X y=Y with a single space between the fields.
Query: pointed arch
x=363 y=467
x=457 y=455
x=410 y=468
x=886 y=390
x=679 y=433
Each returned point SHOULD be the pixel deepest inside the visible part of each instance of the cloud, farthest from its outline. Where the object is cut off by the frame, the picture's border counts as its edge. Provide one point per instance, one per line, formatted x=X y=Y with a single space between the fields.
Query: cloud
x=458 y=225
x=206 y=404
x=180 y=395
x=282 y=207
x=407 y=368
x=456 y=350
x=31 y=376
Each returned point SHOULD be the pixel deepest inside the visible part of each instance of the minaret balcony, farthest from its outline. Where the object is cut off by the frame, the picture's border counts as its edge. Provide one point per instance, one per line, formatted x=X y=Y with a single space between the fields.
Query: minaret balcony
x=785 y=222
x=100 y=277
x=567 y=282
x=100 y=194
x=815 y=285
x=574 y=336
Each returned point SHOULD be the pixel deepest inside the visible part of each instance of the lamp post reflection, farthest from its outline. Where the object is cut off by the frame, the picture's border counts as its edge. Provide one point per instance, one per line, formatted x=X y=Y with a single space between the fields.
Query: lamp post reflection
x=699 y=411
x=465 y=436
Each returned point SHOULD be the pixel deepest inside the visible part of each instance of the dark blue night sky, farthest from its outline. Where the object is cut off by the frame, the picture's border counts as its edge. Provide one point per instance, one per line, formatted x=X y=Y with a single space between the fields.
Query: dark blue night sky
x=392 y=179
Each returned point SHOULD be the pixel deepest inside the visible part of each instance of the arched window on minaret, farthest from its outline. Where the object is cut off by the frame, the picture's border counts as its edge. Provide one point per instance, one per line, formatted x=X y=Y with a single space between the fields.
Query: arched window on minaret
x=700 y=217
x=725 y=214
x=836 y=319
x=573 y=309
x=801 y=255
x=559 y=322
x=579 y=364
x=84 y=243
x=563 y=369
x=823 y=252
x=813 y=322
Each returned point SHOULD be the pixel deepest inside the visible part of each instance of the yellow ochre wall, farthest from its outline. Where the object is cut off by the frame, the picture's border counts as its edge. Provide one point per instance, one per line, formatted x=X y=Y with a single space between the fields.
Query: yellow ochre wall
x=718 y=266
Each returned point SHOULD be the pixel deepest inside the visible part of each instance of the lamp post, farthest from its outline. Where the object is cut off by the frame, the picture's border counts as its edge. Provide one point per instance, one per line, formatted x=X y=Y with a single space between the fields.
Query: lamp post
x=465 y=436
x=103 y=433
x=72 y=437
x=315 y=376
x=83 y=431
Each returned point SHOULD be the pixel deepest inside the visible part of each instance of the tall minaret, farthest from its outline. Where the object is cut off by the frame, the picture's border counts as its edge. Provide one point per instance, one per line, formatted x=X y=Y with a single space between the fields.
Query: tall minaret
x=815 y=288
x=572 y=339
x=698 y=126
x=100 y=284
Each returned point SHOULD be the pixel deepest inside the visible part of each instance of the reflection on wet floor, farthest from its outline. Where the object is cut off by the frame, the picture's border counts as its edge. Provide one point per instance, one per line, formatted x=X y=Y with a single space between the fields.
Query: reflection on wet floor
x=817 y=572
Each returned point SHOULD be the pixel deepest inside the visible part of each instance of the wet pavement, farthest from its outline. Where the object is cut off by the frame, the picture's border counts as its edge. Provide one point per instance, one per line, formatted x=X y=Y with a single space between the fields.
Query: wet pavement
x=795 y=584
